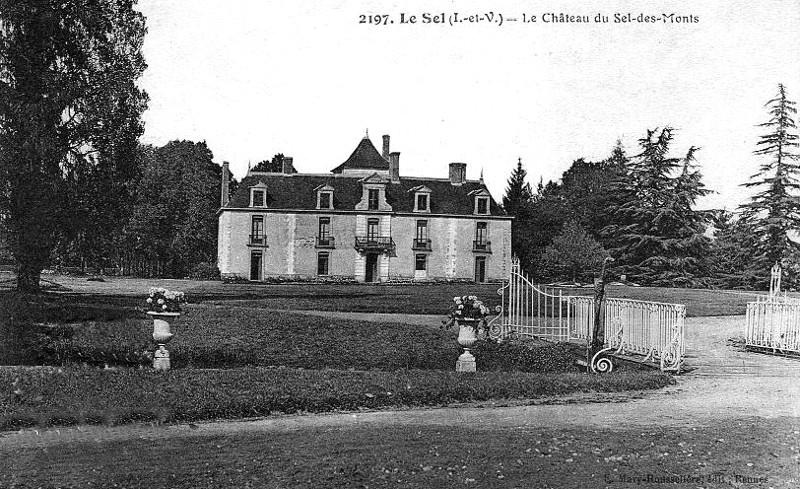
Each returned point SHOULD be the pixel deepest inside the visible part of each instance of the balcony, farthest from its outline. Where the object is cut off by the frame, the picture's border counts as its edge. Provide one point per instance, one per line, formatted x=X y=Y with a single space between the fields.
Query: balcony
x=421 y=244
x=257 y=240
x=374 y=243
x=479 y=246
x=325 y=242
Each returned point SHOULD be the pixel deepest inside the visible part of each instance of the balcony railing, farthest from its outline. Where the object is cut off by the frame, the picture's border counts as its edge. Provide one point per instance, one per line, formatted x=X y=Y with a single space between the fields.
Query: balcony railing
x=257 y=240
x=326 y=242
x=420 y=244
x=373 y=243
x=479 y=246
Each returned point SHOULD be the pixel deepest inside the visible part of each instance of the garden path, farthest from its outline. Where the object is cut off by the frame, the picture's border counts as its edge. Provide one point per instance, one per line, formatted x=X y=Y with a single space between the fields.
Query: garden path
x=725 y=383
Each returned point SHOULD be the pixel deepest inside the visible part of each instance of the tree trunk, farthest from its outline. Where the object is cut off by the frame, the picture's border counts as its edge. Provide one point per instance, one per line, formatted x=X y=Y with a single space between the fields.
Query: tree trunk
x=28 y=277
x=598 y=332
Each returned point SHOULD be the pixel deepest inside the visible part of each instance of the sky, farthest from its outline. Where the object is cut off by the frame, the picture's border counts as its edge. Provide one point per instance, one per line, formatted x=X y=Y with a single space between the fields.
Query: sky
x=307 y=79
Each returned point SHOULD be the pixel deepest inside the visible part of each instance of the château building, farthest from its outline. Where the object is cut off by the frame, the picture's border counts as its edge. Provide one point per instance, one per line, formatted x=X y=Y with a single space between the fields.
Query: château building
x=362 y=221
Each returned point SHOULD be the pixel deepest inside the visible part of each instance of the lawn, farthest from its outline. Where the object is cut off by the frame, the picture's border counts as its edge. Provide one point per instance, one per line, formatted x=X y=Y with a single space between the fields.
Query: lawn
x=397 y=298
x=426 y=456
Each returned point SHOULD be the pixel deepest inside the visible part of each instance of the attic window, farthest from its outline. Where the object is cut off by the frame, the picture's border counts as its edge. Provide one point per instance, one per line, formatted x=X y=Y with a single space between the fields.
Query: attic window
x=421 y=203
x=325 y=200
x=482 y=205
x=258 y=197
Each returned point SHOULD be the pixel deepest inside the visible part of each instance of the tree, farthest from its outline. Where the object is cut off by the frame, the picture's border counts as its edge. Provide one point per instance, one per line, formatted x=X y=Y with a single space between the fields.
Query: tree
x=573 y=254
x=661 y=237
x=517 y=203
x=592 y=190
x=775 y=209
x=273 y=166
x=173 y=225
x=549 y=212
x=67 y=94
x=732 y=252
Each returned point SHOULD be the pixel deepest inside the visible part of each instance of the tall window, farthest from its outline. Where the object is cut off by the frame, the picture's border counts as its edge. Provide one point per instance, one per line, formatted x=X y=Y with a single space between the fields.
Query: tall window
x=480 y=269
x=324 y=228
x=372 y=195
x=483 y=205
x=421 y=263
x=257 y=230
x=422 y=230
x=325 y=200
x=372 y=228
x=422 y=202
x=481 y=233
x=323 y=261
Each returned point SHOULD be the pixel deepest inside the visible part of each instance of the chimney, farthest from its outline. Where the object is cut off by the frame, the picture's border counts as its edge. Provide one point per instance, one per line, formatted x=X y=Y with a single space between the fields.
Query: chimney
x=458 y=173
x=386 y=154
x=226 y=179
x=394 y=166
x=288 y=165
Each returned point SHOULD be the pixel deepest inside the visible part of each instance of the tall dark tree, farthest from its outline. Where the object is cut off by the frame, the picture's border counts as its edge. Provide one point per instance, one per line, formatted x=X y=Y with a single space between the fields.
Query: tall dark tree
x=174 y=224
x=592 y=190
x=67 y=93
x=517 y=202
x=660 y=235
x=774 y=211
x=549 y=212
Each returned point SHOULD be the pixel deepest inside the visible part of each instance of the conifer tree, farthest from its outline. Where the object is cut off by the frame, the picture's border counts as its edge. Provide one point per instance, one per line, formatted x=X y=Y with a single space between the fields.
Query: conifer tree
x=659 y=234
x=774 y=211
x=517 y=202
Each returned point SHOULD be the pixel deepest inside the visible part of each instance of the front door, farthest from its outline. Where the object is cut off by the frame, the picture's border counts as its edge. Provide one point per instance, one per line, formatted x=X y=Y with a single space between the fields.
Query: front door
x=480 y=269
x=371 y=272
x=255 y=266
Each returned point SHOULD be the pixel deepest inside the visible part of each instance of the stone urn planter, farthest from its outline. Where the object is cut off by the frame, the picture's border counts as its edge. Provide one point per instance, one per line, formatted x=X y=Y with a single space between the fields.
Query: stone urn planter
x=162 y=333
x=467 y=336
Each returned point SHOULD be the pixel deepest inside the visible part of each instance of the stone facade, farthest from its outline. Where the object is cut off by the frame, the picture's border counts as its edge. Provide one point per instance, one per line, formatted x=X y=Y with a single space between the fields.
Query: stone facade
x=375 y=226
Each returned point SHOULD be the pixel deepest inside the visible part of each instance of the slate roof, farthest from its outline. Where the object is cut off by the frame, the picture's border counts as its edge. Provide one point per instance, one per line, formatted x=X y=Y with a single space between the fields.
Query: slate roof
x=365 y=157
x=297 y=192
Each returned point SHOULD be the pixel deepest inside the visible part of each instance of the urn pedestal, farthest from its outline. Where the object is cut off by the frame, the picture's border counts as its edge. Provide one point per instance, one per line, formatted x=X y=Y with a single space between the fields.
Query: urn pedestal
x=162 y=333
x=467 y=337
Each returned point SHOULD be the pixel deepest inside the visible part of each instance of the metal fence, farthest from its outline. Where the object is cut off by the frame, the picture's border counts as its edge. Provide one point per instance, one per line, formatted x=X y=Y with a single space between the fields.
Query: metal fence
x=773 y=323
x=649 y=329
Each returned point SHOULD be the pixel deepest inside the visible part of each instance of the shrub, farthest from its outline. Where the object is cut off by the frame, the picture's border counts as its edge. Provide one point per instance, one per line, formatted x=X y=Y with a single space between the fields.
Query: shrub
x=83 y=395
x=204 y=271
x=524 y=355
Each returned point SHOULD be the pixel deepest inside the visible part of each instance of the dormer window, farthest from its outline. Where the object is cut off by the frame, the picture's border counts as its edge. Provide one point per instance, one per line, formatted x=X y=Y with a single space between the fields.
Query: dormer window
x=372 y=199
x=422 y=202
x=324 y=197
x=481 y=201
x=258 y=195
x=325 y=200
x=422 y=198
x=482 y=205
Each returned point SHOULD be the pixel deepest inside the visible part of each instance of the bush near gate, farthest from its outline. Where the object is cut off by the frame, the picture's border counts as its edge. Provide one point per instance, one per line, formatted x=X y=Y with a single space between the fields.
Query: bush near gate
x=524 y=355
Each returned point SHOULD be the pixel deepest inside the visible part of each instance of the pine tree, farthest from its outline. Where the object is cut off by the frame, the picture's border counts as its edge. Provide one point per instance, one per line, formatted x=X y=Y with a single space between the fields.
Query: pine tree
x=517 y=203
x=659 y=234
x=774 y=211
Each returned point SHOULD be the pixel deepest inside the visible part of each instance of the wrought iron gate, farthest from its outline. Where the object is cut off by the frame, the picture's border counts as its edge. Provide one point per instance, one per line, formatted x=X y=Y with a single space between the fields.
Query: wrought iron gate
x=773 y=322
x=652 y=330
